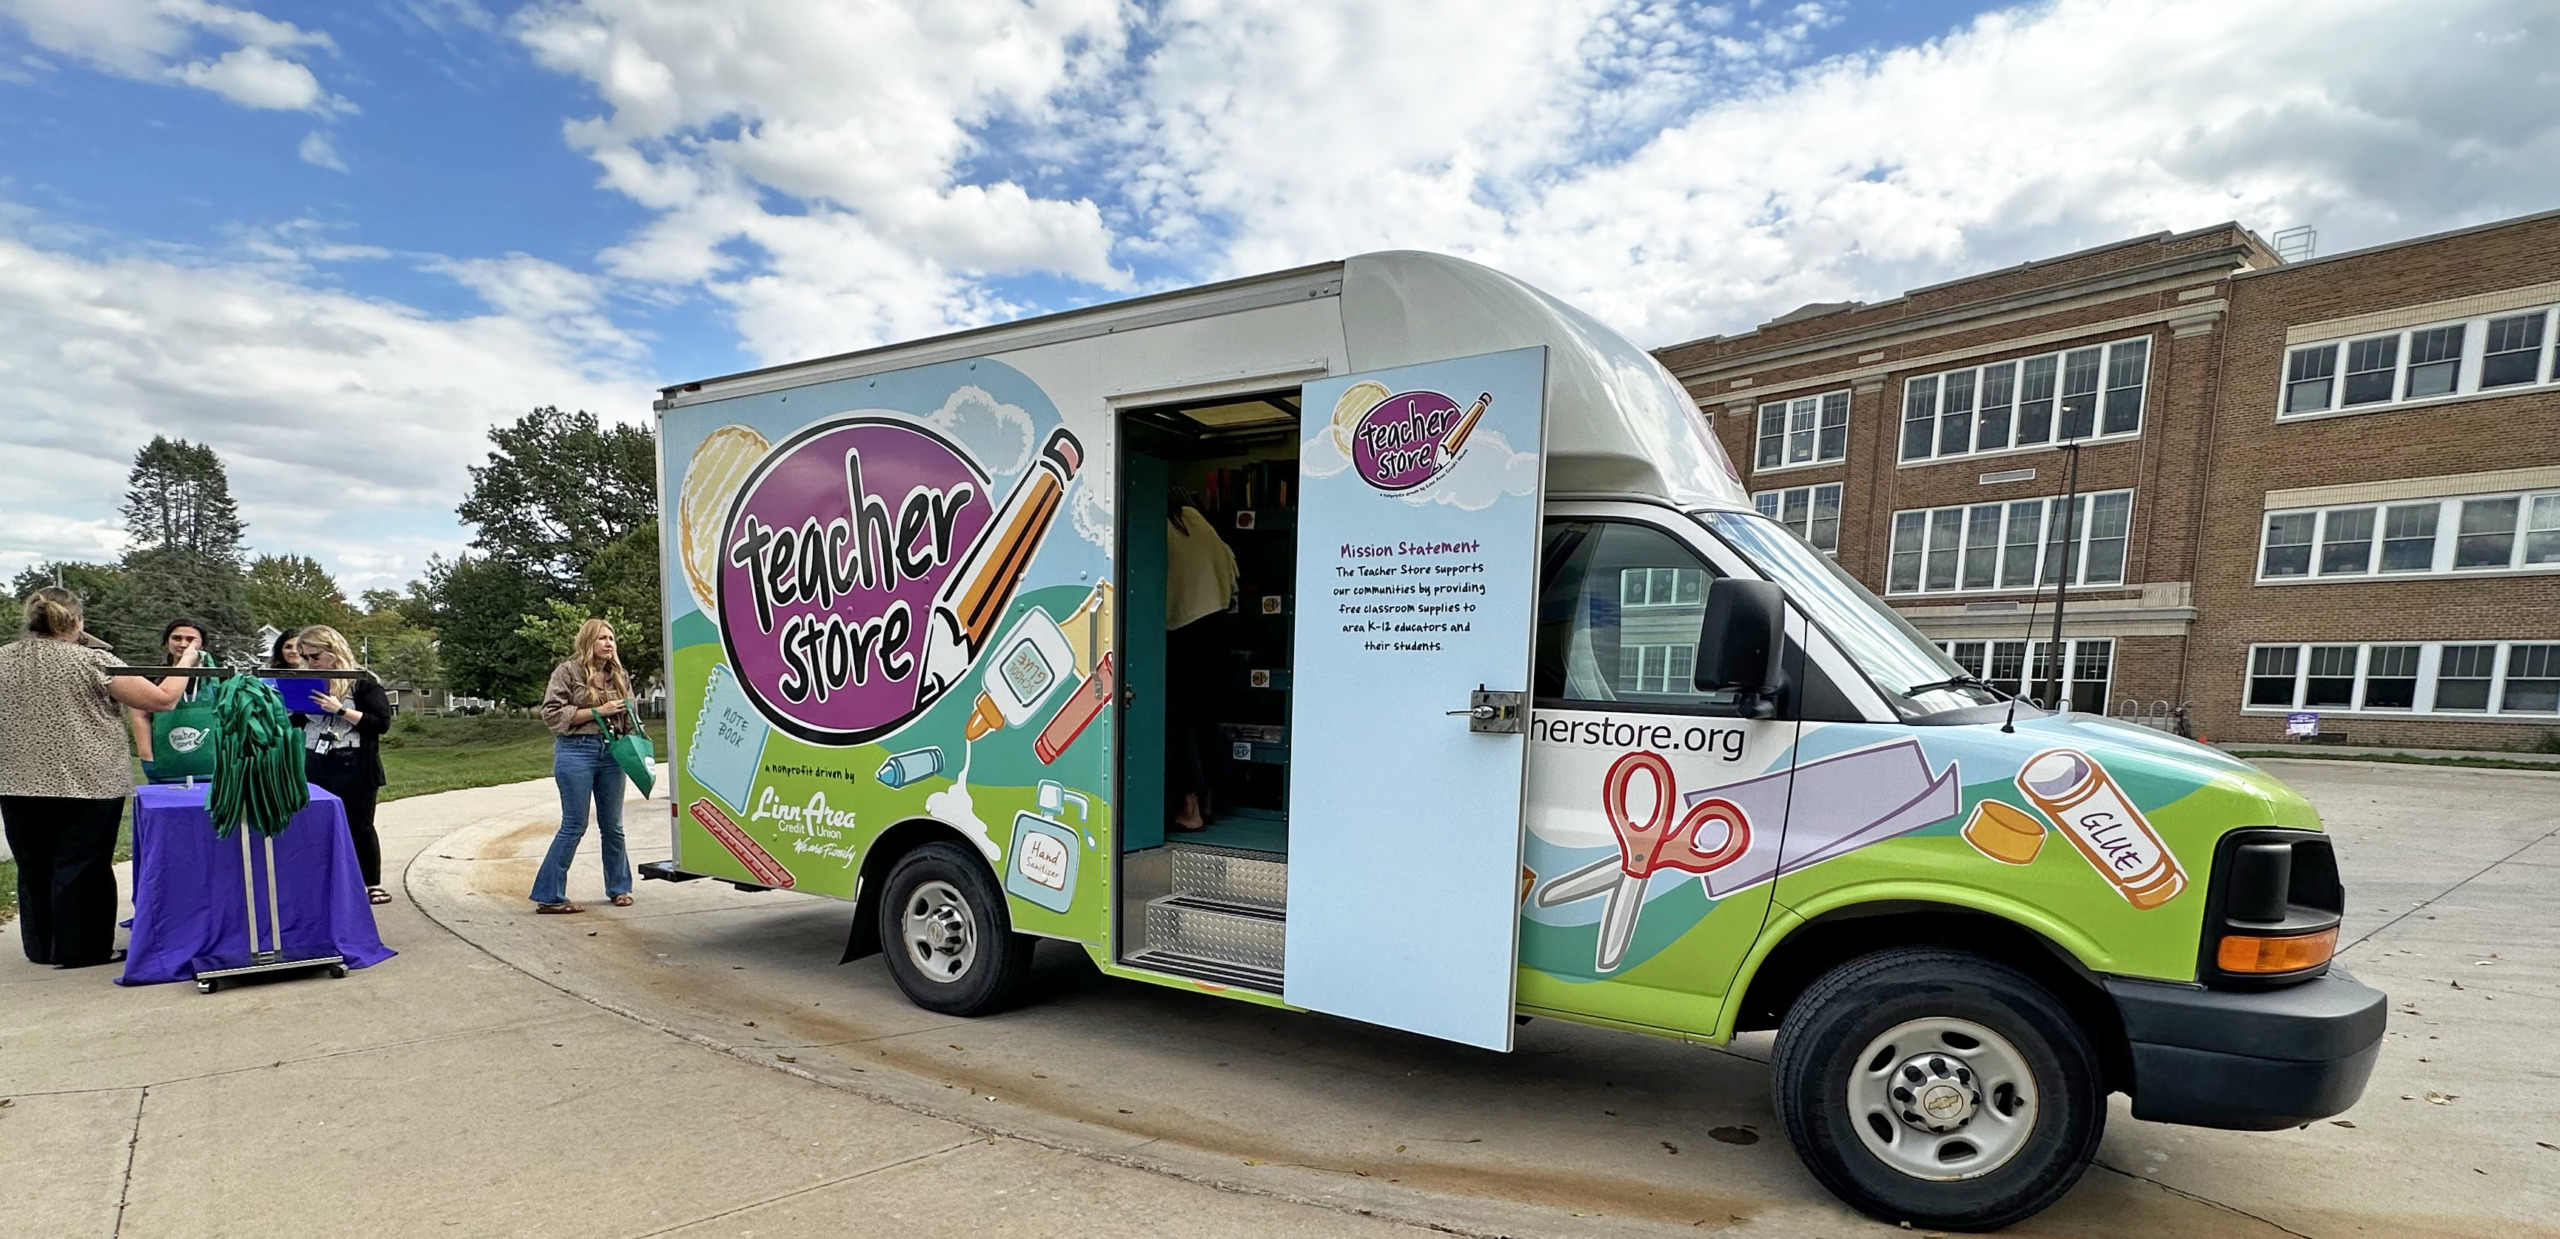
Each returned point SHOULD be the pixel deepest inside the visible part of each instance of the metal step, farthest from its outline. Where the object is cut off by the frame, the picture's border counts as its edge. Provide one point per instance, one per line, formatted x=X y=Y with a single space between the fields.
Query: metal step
x=1210 y=970
x=1245 y=879
x=1236 y=934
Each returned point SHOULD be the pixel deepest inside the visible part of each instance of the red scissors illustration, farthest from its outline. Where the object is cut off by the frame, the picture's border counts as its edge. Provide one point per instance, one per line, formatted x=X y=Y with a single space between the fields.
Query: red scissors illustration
x=1647 y=847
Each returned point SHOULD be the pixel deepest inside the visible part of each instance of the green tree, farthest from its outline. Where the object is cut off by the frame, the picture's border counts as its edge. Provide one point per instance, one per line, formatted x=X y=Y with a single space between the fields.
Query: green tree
x=294 y=591
x=622 y=587
x=183 y=552
x=559 y=488
x=478 y=603
x=409 y=657
x=178 y=497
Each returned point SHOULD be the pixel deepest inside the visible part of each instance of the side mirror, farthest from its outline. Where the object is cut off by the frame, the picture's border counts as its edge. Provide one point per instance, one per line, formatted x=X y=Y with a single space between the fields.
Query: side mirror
x=1739 y=642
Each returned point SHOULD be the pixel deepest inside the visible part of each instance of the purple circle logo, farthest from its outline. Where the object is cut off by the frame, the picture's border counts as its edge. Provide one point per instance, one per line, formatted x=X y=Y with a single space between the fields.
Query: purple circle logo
x=1412 y=437
x=830 y=562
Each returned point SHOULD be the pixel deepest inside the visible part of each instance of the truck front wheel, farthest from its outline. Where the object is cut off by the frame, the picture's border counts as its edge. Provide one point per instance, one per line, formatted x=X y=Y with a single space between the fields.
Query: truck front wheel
x=949 y=941
x=1939 y=1088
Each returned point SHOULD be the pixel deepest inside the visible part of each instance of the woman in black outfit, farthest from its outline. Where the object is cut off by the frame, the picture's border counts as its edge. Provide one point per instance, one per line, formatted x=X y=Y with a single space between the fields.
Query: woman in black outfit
x=342 y=746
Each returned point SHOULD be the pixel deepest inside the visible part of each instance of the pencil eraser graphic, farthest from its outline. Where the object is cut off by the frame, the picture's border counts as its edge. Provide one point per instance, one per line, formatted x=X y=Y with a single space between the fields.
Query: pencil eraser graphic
x=728 y=742
x=2100 y=820
x=904 y=768
x=2004 y=832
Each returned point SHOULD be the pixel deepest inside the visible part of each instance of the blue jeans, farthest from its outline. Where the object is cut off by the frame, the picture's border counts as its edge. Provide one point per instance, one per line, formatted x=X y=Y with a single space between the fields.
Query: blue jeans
x=585 y=772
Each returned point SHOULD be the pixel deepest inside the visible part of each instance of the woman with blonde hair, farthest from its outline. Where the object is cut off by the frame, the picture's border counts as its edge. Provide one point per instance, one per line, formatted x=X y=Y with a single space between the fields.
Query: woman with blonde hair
x=342 y=745
x=63 y=777
x=586 y=705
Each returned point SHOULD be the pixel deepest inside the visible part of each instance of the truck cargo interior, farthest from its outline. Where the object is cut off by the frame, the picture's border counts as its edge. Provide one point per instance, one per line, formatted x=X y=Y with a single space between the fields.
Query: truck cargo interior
x=1207 y=710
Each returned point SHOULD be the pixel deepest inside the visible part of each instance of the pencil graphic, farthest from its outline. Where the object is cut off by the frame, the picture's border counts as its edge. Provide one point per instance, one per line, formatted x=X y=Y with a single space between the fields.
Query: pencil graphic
x=1457 y=440
x=974 y=598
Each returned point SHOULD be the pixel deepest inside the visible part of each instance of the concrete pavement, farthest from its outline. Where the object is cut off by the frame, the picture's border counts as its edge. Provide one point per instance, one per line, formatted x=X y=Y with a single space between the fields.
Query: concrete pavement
x=447 y=1093
x=699 y=1061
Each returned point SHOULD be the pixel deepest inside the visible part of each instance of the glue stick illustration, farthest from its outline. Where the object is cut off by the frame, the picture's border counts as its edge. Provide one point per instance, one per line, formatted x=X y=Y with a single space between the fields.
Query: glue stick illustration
x=975 y=596
x=2095 y=815
x=1079 y=710
x=1457 y=440
x=1029 y=664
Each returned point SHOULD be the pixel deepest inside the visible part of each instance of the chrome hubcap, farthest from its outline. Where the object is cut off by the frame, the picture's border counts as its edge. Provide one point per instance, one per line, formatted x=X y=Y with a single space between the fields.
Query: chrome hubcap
x=1942 y=1099
x=940 y=931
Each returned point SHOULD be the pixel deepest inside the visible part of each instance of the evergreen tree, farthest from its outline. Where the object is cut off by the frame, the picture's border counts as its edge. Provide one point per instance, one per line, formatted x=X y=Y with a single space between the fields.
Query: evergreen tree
x=179 y=498
x=107 y=606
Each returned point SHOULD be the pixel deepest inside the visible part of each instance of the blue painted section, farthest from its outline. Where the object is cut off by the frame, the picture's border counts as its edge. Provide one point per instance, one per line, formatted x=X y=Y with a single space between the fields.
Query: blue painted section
x=1141 y=790
x=1404 y=830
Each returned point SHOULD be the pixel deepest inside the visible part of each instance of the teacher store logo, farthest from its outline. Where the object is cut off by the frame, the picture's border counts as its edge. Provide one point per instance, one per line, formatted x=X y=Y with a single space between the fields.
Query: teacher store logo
x=1412 y=438
x=864 y=566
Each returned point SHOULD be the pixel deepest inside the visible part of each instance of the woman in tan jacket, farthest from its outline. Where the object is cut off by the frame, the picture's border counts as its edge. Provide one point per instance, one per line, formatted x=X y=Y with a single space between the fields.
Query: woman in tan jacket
x=585 y=708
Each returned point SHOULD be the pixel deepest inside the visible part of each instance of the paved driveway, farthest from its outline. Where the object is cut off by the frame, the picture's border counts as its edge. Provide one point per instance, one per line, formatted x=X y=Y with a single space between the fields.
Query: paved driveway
x=2454 y=892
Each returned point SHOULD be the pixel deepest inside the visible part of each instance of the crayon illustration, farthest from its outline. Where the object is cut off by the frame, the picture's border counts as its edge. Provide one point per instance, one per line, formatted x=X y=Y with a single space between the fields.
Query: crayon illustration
x=1078 y=711
x=750 y=853
x=904 y=768
x=2100 y=820
x=974 y=598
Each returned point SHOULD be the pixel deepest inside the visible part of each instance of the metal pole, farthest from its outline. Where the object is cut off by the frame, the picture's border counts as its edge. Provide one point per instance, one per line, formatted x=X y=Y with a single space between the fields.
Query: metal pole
x=275 y=911
x=2062 y=573
x=249 y=887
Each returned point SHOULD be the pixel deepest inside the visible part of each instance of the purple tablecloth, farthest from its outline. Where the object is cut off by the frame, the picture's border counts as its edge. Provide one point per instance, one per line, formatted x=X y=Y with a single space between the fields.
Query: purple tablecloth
x=188 y=911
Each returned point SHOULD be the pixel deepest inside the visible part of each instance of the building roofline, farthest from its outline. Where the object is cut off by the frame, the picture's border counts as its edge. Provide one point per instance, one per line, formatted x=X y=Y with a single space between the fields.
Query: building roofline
x=2387 y=246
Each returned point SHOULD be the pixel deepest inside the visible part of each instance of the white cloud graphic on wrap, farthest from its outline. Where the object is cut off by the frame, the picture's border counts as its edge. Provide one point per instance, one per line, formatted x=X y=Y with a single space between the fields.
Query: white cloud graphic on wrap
x=1484 y=473
x=995 y=434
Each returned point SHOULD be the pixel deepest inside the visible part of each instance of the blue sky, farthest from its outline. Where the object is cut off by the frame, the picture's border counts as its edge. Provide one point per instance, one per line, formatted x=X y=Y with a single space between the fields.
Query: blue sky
x=341 y=241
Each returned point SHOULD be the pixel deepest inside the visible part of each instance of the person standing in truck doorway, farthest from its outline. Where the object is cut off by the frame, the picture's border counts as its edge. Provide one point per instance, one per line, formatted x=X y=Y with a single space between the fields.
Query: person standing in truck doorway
x=1200 y=588
x=584 y=705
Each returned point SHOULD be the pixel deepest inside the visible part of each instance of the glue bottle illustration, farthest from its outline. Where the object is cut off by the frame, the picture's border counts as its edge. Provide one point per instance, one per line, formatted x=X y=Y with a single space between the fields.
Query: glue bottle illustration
x=1028 y=665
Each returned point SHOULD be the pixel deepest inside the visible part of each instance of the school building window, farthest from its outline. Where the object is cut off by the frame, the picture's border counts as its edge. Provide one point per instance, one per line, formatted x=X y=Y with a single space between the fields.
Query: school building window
x=2421 y=537
x=1808 y=430
x=2020 y=544
x=2088 y=666
x=2084 y=393
x=1813 y=512
x=2497 y=679
x=1660 y=587
x=2491 y=353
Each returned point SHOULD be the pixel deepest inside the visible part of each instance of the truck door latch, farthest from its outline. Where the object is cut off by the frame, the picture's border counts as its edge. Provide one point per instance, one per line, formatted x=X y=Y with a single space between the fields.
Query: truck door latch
x=1490 y=711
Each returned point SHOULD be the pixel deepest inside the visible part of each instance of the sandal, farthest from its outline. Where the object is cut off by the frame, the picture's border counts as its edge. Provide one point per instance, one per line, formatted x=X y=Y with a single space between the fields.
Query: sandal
x=562 y=908
x=376 y=894
x=622 y=901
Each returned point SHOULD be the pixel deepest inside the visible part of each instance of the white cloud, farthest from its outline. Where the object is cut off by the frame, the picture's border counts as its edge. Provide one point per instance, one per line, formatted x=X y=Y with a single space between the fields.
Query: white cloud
x=346 y=422
x=841 y=176
x=160 y=40
x=995 y=434
x=319 y=150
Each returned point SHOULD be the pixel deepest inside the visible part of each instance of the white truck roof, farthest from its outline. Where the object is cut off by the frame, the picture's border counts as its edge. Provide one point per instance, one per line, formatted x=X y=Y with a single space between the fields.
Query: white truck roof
x=1617 y=422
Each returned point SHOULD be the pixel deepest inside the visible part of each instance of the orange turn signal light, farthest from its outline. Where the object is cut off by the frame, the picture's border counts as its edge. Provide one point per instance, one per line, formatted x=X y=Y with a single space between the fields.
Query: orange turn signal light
x=2243 y=954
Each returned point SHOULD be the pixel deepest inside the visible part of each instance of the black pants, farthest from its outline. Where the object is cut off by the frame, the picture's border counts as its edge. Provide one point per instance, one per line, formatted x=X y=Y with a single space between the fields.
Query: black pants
x=66 y=852
x=359 y=791
x=1192 y=655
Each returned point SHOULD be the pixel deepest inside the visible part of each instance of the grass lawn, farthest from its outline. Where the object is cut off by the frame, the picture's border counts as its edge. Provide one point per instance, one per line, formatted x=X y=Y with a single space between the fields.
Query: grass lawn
x=423 y=754
x=2404 y=759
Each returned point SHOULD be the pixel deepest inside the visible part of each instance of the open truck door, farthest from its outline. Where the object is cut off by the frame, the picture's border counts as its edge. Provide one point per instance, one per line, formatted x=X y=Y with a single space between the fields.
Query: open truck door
x=1417 y=584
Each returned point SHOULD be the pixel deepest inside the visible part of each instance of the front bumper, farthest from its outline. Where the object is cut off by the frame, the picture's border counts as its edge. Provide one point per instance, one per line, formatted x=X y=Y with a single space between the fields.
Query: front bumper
x=2254 y=1061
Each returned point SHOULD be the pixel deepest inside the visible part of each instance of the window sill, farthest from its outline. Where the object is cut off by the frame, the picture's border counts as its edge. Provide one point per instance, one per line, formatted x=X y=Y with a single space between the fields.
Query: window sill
x=2019 y=593
x=2423 y=402
x=1998 y=453
x=2395 y=578
x=1761 y=471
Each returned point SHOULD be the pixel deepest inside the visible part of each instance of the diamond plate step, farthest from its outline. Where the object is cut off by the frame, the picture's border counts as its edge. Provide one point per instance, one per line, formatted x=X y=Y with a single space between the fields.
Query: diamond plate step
x=1245 y=879
x=1236 y=934
x=1210 y=970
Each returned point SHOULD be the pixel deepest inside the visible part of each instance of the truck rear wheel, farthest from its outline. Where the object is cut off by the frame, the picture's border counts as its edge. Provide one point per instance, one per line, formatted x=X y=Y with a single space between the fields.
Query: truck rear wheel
x=1939 y=1088
x=948 y=938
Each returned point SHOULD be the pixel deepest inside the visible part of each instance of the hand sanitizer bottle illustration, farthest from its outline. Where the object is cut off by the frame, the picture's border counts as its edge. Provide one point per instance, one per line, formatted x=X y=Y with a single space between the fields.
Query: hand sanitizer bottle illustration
x=1045 y=854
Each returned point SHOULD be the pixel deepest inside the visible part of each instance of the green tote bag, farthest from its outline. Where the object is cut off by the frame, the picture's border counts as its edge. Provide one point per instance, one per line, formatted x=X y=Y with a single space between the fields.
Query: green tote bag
x=182 y=739
x=633 y=752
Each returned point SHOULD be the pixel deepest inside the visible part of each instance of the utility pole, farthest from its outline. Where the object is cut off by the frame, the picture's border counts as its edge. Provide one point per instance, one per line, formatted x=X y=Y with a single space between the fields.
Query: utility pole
x=2062 y=569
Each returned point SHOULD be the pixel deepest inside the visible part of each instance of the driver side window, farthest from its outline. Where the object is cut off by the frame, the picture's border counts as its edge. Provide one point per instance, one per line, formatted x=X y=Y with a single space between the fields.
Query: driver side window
x=1619 y=607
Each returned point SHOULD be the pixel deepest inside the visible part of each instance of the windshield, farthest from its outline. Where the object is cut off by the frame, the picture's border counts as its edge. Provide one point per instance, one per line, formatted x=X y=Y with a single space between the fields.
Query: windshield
x=1884 y=645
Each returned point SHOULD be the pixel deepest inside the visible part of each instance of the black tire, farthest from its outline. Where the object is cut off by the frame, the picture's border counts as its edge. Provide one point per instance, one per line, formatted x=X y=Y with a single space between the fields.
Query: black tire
x=1830 y=1029
x=990 y=977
